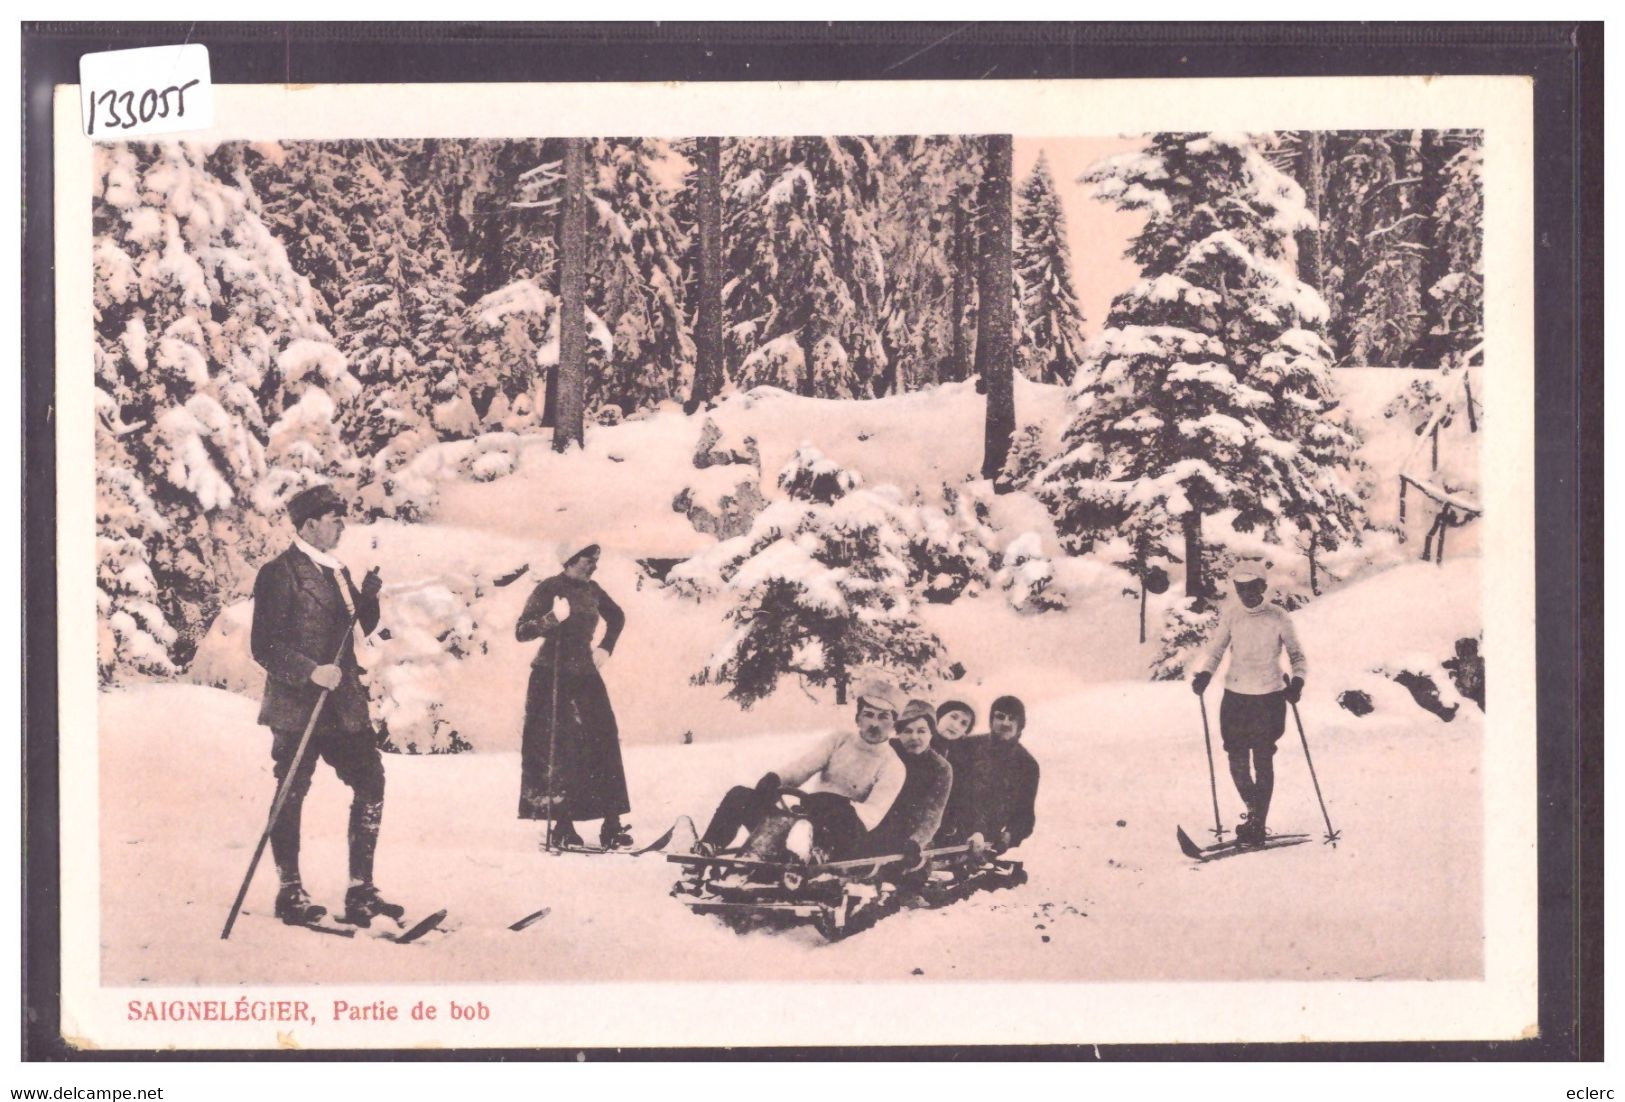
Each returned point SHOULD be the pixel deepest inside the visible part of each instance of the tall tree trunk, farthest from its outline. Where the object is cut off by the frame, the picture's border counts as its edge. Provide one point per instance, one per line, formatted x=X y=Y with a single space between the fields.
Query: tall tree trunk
x=1195 y=581
x=808 y=343
x=1311 y=253
x=572 y=387
x=708 y=309
x=1432 y=343
x=550 y=398
x=962 y=273
x=994 y=356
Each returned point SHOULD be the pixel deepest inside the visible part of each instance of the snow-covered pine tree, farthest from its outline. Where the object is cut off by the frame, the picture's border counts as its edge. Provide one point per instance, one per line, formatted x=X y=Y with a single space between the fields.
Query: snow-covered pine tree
x=800 y=239
x=635 y=281
x=398 y=316
x=1206 y=393
x=922 y=180
x=1455 y=300
x=509 y=203
x=219 y=390
x=435 y=293
x=133 y=632
x=1051 y=346
x=305 y=194
x=1301 y=154
x=640 y=349
x=1374 y=256
x=514 y=326
x=822 y=582
x=515 y=343
x=1028 y=577
x=1310 y=485
x=377 y=242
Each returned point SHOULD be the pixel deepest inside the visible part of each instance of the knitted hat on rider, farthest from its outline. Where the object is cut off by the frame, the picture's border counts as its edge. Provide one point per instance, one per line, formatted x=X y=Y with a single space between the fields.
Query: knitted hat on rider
x=918 y=709
x=879 y=694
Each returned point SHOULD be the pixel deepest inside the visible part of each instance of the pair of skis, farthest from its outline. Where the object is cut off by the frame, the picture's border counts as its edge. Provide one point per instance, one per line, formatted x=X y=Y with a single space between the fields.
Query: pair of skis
x=402 y=934
x=683 y=825
x=1235 y=846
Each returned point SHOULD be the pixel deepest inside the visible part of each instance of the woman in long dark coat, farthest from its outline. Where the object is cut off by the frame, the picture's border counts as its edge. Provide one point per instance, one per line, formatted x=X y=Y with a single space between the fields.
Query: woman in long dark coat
x=589 y=781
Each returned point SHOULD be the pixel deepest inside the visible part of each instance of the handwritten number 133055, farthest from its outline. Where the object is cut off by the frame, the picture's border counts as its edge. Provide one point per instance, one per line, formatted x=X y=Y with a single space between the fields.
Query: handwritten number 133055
x=150 y=104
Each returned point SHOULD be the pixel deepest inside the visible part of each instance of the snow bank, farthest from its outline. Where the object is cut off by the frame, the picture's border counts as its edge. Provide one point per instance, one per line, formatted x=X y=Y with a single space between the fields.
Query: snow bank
x=1441 y=605
x=619 y=490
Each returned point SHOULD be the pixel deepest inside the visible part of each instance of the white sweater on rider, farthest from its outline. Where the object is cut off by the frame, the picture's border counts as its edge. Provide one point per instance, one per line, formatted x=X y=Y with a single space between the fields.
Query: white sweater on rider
x=1255 y=638
x=869 y=774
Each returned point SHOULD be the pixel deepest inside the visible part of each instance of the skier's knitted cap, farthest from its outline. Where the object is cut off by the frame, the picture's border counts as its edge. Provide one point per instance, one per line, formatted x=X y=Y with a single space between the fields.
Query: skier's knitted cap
x=878 y=693
x=956 y=706
x=567 y=556
x=1012 y=707
x=918 y=709
x=313 y=502
x=1250 y=570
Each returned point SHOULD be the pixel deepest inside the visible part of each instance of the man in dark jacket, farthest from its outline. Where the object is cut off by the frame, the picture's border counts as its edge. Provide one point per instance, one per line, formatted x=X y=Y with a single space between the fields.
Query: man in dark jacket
x=916 y=814
x=1007 y=780
x=306 y=611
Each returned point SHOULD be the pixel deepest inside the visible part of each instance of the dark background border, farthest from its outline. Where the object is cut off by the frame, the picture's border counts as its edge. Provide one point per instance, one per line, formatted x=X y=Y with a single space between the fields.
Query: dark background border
x=1565 y=62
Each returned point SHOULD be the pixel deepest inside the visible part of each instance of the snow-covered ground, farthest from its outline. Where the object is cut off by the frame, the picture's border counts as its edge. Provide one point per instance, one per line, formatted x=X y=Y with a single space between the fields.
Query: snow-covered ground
x=1109 y=897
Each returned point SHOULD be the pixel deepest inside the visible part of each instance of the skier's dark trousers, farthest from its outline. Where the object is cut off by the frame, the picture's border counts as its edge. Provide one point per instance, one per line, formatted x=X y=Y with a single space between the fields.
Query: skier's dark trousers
x=1252 y=716
x=1006 y=789
x=304 y=605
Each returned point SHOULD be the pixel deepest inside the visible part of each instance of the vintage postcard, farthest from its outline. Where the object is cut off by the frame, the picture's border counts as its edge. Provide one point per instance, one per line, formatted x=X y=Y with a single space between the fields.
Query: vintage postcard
x=799 y=564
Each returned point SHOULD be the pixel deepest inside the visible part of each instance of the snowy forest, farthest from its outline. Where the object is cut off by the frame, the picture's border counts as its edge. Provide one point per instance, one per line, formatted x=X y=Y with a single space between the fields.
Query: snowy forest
x=397 y=316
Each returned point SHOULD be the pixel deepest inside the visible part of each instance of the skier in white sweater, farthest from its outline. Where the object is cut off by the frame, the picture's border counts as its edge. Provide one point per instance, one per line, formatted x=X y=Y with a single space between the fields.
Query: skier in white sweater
x=1252 y=716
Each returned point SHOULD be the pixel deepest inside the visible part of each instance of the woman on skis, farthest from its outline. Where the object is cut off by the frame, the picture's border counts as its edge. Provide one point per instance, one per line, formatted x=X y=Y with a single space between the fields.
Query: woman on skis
x=570 y=729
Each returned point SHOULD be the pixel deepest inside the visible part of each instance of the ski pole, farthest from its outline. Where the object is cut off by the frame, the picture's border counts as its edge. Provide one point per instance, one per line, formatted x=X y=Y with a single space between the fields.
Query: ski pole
x=1331 y=835
x=552 y=739
x=1212 y=780
x=287 y=784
